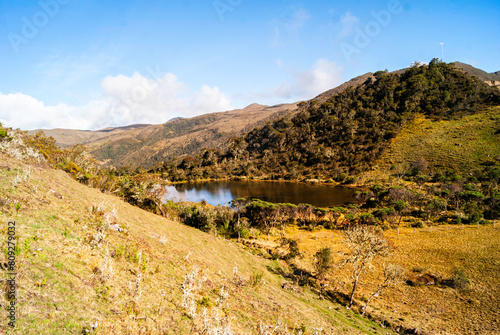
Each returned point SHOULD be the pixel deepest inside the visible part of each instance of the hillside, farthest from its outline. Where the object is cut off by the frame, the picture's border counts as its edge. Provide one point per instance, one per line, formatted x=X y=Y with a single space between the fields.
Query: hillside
x=480 y=74
x=462 y=144
x=87 y=259
x=147 y=145
x=349 y=132
x=68 y=137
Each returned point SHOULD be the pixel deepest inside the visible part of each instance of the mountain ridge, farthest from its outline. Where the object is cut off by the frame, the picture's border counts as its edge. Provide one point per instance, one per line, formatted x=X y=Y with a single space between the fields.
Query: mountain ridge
x=349 y=132
x=482 y=75
x=149 y=145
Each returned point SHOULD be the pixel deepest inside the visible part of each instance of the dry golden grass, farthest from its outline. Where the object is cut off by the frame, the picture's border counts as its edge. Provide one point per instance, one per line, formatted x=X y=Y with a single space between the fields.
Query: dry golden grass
x=130 y=283
x=437 y=309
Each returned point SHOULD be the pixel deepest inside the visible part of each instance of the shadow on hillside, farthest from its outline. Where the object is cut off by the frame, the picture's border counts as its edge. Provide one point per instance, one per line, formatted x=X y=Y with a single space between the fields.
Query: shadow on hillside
x=338 y=297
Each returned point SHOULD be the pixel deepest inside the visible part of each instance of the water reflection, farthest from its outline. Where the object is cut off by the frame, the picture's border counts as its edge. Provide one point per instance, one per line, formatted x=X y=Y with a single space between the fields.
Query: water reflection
x=222 y=192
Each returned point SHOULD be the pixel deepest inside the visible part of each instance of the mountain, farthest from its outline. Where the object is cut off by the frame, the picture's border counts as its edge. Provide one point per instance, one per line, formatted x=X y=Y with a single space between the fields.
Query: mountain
x=68 y=137
x=153 y=144
x=480 y=74
x=98 y=265
x=148 y=145
x=350 y=131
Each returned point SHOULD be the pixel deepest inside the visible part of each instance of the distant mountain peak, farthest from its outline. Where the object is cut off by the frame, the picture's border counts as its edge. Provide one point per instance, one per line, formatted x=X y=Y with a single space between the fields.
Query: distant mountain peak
x=175 y=118
x=480 y=74
x=255 y=105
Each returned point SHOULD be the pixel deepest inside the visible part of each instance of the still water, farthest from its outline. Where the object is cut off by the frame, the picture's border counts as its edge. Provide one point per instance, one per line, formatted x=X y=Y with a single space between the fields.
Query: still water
x=222 y=192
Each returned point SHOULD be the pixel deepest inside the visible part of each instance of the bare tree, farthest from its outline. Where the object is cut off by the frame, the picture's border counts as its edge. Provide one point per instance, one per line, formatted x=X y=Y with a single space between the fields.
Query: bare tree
x=393 y=275
x=364 y=246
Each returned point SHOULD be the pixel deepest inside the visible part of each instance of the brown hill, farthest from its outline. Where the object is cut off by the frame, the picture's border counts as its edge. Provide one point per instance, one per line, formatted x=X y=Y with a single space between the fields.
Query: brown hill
x=153 y=144
x=148 y=145
x=482 y=75
x=68 y=137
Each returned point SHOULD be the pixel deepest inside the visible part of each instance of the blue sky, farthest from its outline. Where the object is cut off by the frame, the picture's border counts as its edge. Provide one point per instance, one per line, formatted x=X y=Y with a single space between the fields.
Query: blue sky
x=93 y=64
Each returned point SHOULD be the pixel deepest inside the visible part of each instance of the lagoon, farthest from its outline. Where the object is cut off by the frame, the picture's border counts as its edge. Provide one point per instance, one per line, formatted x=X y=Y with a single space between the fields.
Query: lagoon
x=222 y=192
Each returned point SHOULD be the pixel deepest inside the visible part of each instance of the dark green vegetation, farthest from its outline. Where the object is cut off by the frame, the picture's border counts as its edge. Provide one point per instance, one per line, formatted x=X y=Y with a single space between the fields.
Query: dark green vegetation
x=348 y=133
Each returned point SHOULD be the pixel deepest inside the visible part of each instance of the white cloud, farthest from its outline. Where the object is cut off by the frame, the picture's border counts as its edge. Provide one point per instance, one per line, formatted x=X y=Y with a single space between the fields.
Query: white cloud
x=288 y=25
x=23 y=111
x=207 y=97
x=125 y=100
x=296 y=19
x=323 y=76
x=347 y=24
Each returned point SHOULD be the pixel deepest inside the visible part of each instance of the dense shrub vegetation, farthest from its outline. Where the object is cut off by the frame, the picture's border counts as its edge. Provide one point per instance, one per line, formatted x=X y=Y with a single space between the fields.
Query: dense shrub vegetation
x=346 y=134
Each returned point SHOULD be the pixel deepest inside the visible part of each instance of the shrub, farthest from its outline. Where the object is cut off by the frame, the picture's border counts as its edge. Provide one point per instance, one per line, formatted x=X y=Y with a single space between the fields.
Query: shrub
x=3 y=133
x=418 y=166
x=460 y=280
x=256 y=279
x=323 y=261
x=244 y=233
x=384 y=213
x=292 y=247
x=205 y=301
x=475 y=217
x=365 y=218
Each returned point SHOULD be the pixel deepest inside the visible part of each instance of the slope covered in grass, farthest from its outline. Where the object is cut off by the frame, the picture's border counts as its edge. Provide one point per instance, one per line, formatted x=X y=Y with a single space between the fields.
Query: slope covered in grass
x=465 y=260
x=78 y=270
x=461 y=144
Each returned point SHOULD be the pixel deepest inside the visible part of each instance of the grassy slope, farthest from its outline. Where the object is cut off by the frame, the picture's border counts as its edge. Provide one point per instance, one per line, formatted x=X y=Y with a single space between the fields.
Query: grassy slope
x=433 y=309
x=61 y=280
x=460 y=145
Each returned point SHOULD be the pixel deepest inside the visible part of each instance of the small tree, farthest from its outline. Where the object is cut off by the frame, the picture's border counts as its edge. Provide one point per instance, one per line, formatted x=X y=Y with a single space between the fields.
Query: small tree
x=400 y=207
x=323 y=261
x=364 y=246
x=3 y=132
x=291 y=247
x=393 y=275
x=419 y=166
x=238 y=205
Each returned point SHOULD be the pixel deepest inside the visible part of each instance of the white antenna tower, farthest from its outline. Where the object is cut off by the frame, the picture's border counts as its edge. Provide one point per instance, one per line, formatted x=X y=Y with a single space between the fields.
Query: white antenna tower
x=442 y=51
